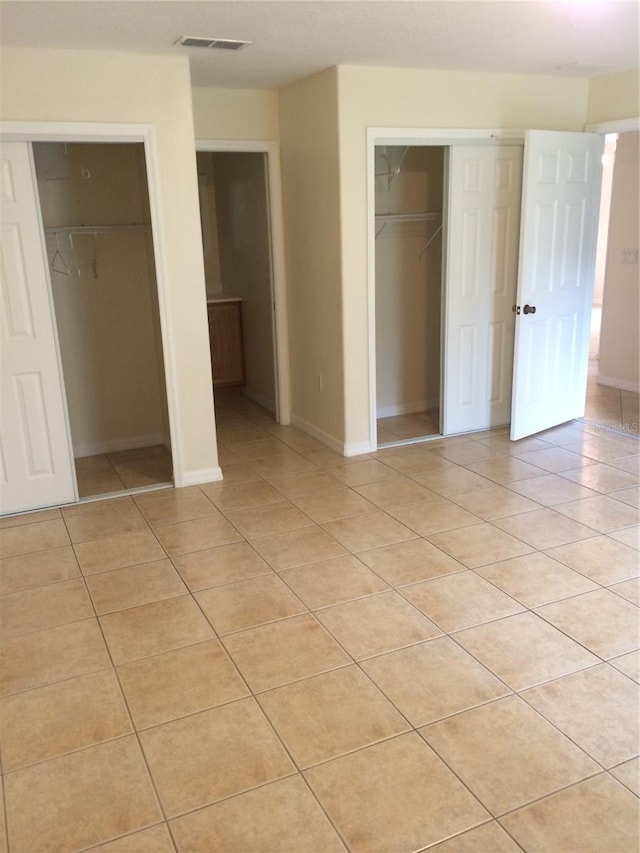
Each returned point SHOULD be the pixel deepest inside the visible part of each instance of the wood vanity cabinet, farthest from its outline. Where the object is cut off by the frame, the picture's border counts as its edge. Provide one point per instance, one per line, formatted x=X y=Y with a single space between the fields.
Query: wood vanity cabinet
x=225 y=341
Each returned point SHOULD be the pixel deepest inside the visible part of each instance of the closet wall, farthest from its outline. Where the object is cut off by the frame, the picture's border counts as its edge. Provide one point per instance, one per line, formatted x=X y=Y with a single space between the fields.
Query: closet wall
x=408 y=280
x=105 y=294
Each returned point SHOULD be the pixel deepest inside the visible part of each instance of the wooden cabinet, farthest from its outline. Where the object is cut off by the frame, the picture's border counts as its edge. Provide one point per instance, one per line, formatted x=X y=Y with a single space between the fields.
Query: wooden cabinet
x=225 y=340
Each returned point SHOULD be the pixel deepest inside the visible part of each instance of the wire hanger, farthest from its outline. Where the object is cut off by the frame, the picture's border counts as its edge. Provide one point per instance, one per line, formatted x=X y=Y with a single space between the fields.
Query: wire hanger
x=58 y=263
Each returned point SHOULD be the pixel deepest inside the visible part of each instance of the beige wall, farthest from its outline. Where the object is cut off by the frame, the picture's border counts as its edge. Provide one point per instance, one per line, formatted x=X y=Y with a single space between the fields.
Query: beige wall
x=381 y=97
x=106 y=308
x=84 y=86
x=246 y=114
x=620 y=332
x=311 y=197
x=614 y=96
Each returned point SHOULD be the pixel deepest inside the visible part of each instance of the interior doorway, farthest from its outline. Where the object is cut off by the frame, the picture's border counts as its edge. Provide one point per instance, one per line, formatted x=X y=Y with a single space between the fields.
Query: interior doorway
x=94 y=203
x=409 y=182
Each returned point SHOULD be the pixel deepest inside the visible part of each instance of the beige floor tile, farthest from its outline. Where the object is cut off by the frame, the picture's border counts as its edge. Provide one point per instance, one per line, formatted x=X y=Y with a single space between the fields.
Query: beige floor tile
x=197 y=535
x=236 y=496
x=135 y=585
x=285 y=818
x=333 y=581
x=435 y=516
x=377 y=624
x=44 y=607
x=489 y=838
x=601 y=621
x=146 y=472
x=29 y=518
x=494 y=502
x=451 y=481
x=173 y=505
x=551 y=489
x=555 y=459
x=248 y=432
x=273 y=655
x=595 y=815
x=602 y=478
x=264 y=520
x=412 y=459
x=631 y=464
x=397 y=795
x=118 y=551
x=390 y=493
x=154 y=628
x=103 y=518
x=601 y=513
x=81 y=799
x=264 y=448
x=433 y=680
x=297 y=548
x=27 y=538
x=37 y=569
x=209 y=756
x=544 y=528
x=597 y=708
x=282 y=466
x=629 y=664
x=628 y=589
x=331 y=505
x=505 y=469
x=233 y=472
x=324 y=457
x=154 y=840
x=536 y=579
x=628 y=496
x=248 y=603
x=313 y=483
x=629 y=774
x=524 y=650
x=507 y=754
x=460 y=601
x=470 y=451
x=371 y=530
x=100 y=481
x=601 y=558
x=479 y=545
x=330 y=715
x=180 y=682
x=44 y=657
x=360 y=473
x=409 y=562
x=60 y=718
x=217 y=566
x=292 y=437
x=600 y=449
x=630 y=536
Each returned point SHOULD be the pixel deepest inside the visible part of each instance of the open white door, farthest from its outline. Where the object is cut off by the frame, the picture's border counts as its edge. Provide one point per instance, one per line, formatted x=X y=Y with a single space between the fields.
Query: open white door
x=559 y=223
x=482 y=266
x=36 y=463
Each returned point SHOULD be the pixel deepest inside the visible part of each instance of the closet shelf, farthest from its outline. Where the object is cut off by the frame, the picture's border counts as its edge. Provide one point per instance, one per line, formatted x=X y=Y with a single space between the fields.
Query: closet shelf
x=95 y=229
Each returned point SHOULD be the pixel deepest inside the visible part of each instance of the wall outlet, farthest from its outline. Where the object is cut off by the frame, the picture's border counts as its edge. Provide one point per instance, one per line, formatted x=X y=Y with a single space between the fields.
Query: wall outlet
x=319 y=383
x=629 y=256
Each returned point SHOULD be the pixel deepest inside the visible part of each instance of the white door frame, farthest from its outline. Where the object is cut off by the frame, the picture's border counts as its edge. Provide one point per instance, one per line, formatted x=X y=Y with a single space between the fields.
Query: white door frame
x=44 y=131
x=416 y=137
x=277 y=250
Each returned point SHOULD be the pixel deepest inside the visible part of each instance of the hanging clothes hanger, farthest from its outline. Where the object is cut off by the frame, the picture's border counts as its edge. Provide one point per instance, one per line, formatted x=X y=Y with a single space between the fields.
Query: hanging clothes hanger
x=58 y=263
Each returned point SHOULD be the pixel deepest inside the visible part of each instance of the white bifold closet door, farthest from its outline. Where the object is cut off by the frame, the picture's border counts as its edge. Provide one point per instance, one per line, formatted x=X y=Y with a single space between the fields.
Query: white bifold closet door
x=485 y=183
x=560 y=209
x=36 y=461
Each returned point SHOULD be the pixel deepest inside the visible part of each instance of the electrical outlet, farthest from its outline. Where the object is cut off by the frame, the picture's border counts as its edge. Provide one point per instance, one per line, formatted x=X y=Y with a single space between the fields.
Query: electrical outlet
x=320 y=382
x=629 y=256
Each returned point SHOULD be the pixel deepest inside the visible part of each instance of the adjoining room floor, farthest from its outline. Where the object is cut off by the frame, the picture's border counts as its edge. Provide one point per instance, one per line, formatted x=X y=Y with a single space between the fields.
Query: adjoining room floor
x=415 y=425
x=431 y=647
x=126 y=469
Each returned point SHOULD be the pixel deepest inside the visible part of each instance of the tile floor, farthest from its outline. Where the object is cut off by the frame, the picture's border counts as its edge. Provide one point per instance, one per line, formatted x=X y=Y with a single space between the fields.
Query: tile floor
x=432 y=647
x=126 y=469
x=401 y=427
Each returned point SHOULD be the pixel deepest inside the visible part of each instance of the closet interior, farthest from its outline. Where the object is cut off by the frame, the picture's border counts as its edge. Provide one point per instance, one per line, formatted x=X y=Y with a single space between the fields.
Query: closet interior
x=409 y=184
x=95 y=210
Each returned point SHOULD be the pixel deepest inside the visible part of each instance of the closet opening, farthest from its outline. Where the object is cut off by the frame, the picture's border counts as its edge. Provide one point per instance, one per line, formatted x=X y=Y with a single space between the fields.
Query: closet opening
x=237 y=245
x=409 y=200
x=94 y=203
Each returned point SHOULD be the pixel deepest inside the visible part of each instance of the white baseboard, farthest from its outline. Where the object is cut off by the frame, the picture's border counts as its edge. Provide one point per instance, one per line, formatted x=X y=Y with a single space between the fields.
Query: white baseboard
x=95 y=448
x=620 y=384
x=356 y=449
x=406 y=408
x=198 y=478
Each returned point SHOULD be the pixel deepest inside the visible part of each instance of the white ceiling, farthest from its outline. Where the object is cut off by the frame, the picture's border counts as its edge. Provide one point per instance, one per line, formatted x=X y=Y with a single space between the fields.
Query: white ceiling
x=295 y=38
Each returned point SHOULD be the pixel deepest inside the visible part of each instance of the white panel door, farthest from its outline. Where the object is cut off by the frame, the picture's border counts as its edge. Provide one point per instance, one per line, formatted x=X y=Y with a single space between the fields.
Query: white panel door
x=36 y=463
x=560 y=205
x=482 y=264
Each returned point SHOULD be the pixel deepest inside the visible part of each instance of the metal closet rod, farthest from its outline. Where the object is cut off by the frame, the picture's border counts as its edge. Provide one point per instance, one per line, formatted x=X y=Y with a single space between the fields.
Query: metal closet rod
x=408 y=217
x=94 y=229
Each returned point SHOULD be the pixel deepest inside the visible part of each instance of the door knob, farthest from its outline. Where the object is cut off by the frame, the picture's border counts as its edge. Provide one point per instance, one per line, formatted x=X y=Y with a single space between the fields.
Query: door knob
x=529 y=309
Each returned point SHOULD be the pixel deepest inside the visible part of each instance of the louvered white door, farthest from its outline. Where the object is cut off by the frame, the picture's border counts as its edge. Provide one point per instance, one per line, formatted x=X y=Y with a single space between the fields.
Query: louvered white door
x=482 y=264
x=36 y=462
x=560 y=207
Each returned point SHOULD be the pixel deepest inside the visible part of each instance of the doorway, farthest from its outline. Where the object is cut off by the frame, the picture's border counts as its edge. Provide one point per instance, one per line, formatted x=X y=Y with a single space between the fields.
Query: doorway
x=94 y=203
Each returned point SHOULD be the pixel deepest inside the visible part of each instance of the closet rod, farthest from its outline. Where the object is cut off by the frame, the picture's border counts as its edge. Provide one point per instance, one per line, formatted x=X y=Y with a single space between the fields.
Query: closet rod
x=94 y=229
x=407 y=217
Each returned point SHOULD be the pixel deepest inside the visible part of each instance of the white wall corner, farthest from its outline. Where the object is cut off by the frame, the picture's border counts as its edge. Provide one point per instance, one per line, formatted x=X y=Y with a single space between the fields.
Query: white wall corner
x=358 y=448
x=198 y=478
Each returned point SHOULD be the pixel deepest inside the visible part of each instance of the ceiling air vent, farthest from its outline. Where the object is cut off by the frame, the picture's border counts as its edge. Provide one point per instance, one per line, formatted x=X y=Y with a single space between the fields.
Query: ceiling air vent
x=221 y=44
